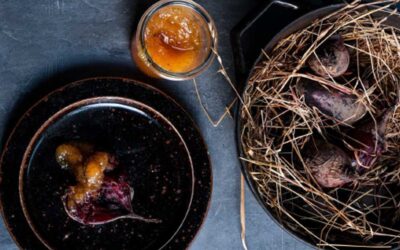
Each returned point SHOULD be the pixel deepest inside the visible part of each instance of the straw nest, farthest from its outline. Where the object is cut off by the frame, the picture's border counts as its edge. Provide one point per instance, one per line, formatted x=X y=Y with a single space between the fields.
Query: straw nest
x=334 y=181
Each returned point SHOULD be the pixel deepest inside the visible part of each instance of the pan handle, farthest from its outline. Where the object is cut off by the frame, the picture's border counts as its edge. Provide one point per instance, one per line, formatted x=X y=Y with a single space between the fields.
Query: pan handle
x=259 y=26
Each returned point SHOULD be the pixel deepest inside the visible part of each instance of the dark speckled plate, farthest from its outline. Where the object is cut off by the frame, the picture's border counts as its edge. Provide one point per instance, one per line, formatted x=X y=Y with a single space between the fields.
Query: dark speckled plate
x=149 y=133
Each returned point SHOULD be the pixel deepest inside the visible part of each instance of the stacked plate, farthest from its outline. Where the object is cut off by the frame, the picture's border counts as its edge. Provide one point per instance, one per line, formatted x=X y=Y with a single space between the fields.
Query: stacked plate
x=148 y=132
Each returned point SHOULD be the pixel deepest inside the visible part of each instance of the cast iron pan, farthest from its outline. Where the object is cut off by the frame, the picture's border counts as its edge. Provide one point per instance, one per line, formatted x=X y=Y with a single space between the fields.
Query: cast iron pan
x=153 y=136
x=296 y=25
x=269 y=18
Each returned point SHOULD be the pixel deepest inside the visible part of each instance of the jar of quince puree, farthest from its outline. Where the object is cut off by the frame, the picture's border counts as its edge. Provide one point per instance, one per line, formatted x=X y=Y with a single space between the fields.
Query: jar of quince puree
x=174 y=40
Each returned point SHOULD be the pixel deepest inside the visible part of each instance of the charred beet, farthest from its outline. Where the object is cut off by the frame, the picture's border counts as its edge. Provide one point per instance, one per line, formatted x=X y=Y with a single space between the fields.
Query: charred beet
x=368 y=141
x=330 y=165
x=331 y=59
x=343 y=107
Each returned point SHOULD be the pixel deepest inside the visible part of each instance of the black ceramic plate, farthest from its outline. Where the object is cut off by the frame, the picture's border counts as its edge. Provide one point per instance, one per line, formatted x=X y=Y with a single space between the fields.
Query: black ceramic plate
x=167 y=162
x=144 y=143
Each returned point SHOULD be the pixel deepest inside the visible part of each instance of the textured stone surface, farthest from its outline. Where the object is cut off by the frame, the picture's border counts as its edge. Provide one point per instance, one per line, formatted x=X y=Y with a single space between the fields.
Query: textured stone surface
x=44 y=44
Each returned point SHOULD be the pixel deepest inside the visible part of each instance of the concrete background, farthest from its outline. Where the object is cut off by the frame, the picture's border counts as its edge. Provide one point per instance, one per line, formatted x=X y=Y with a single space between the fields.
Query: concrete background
x=46 y=43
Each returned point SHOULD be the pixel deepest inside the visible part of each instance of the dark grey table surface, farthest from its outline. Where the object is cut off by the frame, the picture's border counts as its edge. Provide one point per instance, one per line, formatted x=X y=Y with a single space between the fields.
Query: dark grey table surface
x=46 y=43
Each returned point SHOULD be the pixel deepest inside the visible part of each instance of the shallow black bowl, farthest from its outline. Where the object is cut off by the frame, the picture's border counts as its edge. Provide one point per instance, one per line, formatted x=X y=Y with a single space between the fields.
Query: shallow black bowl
x=151 y=136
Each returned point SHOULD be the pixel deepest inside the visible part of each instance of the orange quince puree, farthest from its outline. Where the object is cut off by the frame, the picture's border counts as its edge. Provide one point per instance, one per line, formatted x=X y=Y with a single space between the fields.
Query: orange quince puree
x=177 y=38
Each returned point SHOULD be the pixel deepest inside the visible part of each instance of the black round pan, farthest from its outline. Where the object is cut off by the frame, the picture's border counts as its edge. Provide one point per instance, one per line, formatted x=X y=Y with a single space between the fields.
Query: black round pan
x=295 y=26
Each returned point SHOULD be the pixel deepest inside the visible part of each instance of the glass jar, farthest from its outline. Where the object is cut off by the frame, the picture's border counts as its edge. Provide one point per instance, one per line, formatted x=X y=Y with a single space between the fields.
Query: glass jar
x=175 y=40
